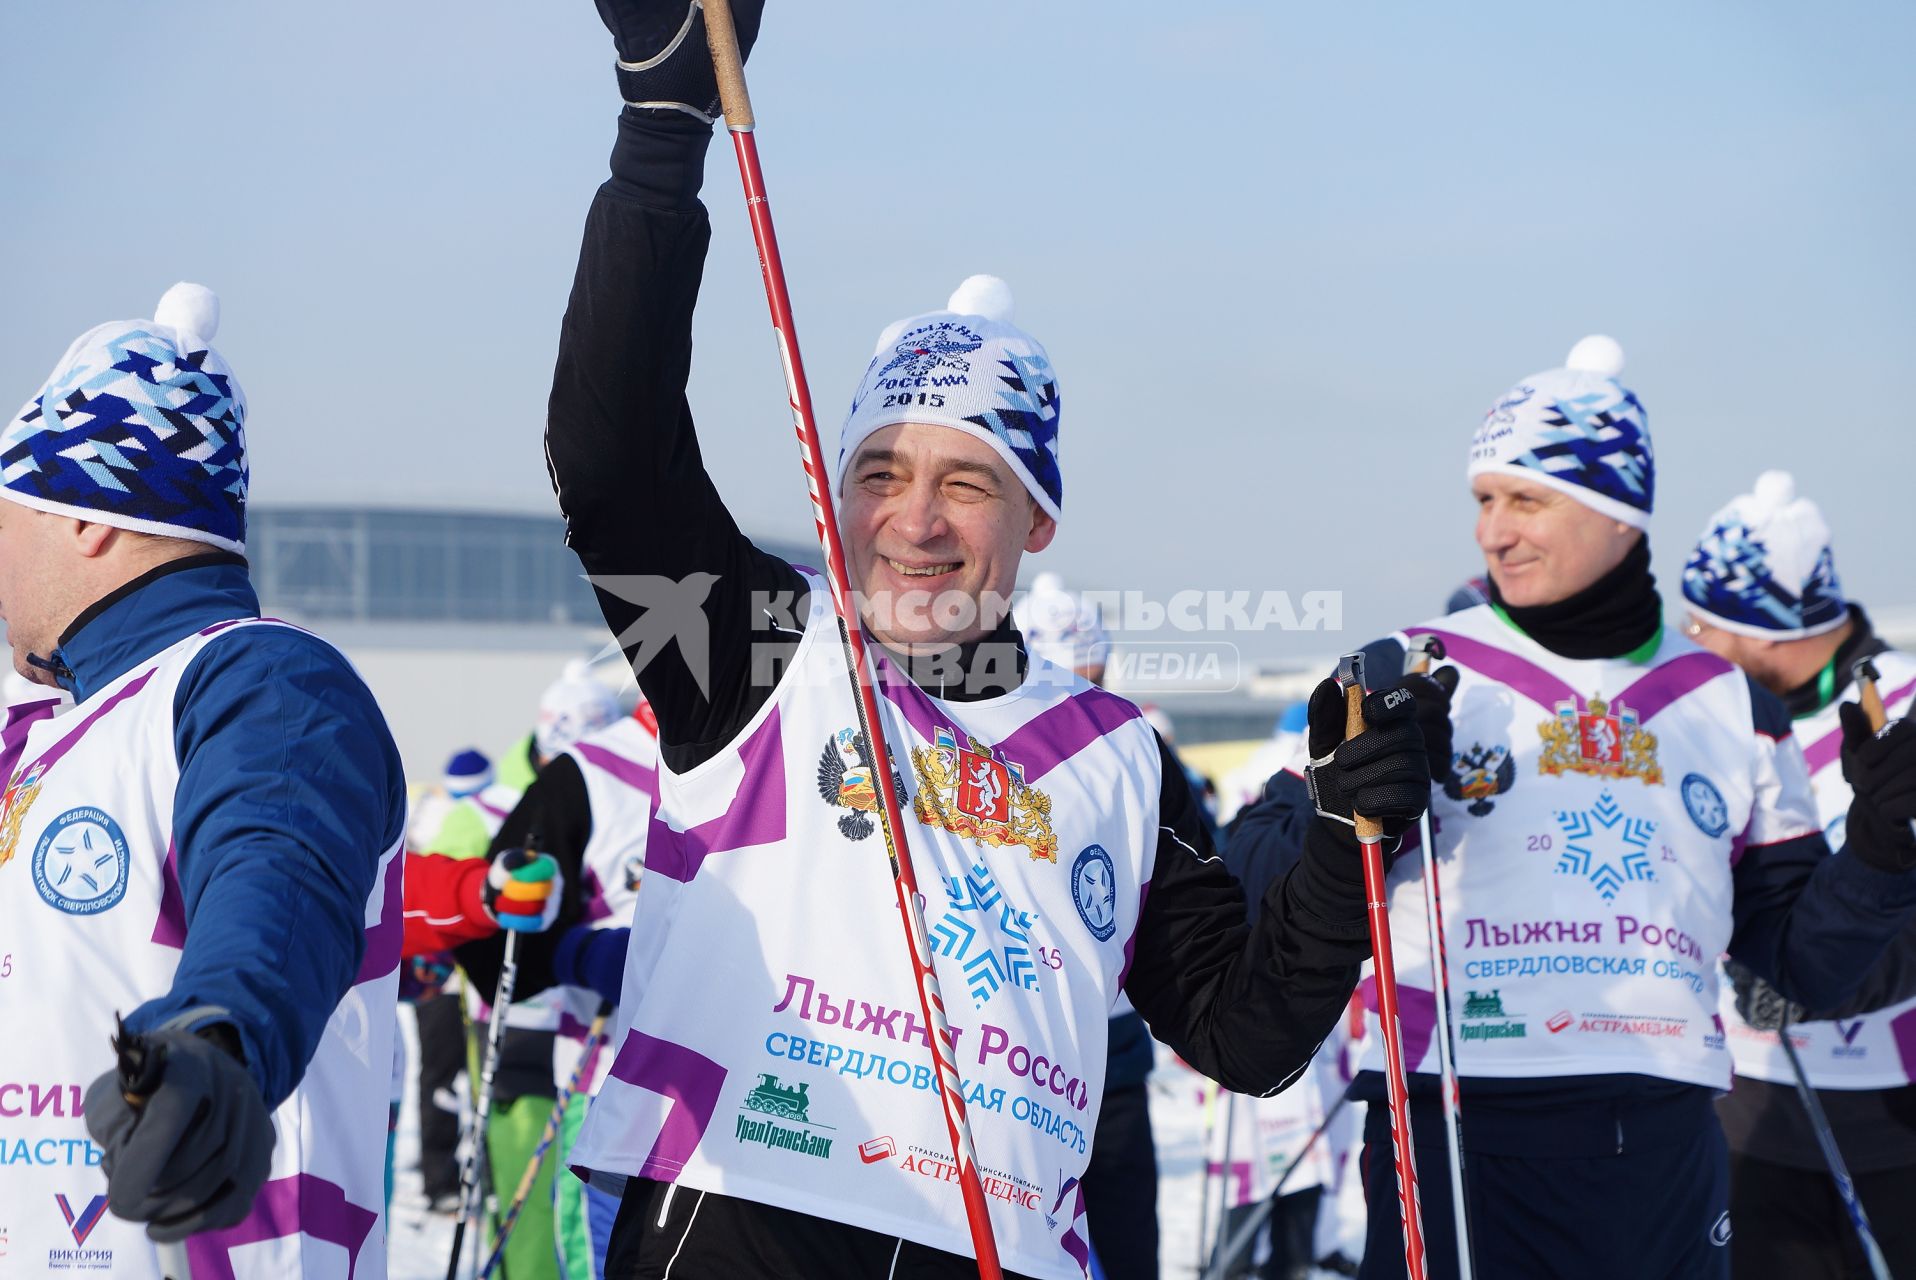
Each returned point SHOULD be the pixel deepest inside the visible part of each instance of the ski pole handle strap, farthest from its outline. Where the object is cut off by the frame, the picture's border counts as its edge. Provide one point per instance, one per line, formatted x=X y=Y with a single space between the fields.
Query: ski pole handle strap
x=734 y=99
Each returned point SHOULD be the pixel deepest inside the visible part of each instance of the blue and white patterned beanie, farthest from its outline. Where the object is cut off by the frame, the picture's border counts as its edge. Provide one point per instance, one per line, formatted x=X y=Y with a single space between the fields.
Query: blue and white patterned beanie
x=140 y=426
x=970 y=368
x=1764 y=566
x=1578 y=430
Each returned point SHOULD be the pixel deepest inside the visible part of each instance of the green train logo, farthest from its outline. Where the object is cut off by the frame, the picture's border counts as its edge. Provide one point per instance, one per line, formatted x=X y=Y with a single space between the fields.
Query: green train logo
x=774 y=1099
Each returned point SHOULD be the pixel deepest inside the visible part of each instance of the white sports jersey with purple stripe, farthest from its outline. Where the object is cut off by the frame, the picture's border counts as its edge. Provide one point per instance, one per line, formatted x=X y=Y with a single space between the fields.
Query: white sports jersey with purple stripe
x=1585 y=840
x=769 y=1040
x=1877 y=1050
x=620 y=766
x=93 y=920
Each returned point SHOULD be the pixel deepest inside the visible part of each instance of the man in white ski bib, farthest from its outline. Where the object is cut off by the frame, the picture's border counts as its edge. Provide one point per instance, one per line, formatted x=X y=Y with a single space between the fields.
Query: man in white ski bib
x=1764 y=593
x=205 y=843
x=1615 y=808
x=769 y=1110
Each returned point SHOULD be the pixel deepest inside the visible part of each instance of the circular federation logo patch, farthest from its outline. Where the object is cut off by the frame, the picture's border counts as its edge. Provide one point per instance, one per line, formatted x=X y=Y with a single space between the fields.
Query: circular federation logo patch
x=80 y=865
x=1705 y=804
x=1094 y=890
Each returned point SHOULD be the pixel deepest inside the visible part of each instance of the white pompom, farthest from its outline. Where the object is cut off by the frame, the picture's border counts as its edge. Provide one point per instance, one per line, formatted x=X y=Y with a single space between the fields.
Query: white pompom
x=1046 y=583
x=192 y=311
x=1774 y=490
x=1598 y=353
x=577 y=671
x=986 y=296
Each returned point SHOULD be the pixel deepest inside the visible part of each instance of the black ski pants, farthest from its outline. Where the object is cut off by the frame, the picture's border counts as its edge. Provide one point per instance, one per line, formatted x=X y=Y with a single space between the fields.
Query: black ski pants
x=1655 y=1206
x=1121 y=1187
x=442 y=1056
x=664 y=1232
x=1791 y=1224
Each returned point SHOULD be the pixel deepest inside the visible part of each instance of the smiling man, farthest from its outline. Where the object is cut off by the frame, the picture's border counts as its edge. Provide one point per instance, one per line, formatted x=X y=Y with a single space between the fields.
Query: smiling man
x=770 y=1109
x=1658 y=814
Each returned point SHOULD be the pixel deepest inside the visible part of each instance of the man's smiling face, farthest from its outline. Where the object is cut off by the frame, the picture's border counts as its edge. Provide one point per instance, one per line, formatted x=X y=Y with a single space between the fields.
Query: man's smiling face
x=935 y=523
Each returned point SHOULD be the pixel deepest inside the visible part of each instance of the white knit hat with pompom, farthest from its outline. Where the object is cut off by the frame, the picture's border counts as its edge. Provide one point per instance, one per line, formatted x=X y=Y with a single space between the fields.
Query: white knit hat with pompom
x=1764 y=566
x=141 y=426
x=970 y=368
x=1578 y=430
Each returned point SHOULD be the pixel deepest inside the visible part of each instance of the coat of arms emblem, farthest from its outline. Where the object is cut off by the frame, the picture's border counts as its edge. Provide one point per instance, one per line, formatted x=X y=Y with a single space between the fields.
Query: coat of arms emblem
x=20 y=796
x=1599 y=738
x=845 y=780
x=964 y=788
x=1477 y=773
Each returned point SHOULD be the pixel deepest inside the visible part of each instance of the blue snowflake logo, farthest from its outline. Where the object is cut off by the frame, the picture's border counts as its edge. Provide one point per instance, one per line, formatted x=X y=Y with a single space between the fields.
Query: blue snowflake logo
x=992 y=957
x=1605 y=845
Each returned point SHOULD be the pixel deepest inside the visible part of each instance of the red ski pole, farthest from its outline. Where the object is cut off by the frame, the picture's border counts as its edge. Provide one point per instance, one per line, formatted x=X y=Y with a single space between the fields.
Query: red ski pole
x=737 y=104
x=1370 y=834
x=1423 y=651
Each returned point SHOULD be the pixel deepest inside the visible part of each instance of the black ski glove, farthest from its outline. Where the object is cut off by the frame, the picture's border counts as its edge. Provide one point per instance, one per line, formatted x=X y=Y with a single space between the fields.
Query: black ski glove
x=1760 y=1004
x=1433 y=691
x=192 y=1154
x=664 y=62
x=1382 y=773
x=1881 y=769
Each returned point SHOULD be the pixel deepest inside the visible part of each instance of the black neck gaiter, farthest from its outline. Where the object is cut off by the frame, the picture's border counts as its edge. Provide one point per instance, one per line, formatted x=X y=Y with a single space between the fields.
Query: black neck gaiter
x=1614 y=615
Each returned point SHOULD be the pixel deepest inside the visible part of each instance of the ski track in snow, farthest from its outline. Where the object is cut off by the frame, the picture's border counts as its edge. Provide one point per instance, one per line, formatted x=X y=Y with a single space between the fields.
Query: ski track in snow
x=418 y=1242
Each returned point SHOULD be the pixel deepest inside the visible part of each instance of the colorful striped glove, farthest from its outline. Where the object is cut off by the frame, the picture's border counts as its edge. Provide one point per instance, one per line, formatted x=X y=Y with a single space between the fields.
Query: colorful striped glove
x=524 y=890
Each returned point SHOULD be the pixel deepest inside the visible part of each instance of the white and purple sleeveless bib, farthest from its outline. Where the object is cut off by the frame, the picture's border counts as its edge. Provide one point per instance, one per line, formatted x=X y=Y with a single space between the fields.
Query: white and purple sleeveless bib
x=1585 y=840
x=1877 y=1050
x=92 y=924
x=770 y=1041
x=620 y=766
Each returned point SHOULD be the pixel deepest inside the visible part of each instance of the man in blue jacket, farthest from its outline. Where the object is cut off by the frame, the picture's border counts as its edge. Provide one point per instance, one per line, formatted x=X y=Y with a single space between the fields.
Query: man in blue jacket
x=205 y=843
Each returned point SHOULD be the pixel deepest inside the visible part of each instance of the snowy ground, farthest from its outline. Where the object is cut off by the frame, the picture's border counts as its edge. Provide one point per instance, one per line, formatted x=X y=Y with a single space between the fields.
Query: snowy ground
x=417 y=1243
x=420 y=1242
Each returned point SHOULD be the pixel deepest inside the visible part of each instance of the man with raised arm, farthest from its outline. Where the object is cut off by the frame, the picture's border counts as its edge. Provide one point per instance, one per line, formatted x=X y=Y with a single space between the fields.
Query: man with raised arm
x=770 y=1108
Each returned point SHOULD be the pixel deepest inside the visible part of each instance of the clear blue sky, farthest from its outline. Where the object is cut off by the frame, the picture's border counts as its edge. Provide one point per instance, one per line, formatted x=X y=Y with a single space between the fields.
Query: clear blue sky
x=1283 y=256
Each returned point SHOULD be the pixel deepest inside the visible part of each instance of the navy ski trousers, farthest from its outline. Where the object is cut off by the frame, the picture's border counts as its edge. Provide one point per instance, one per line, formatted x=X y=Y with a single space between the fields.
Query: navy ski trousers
x=1653 y=1206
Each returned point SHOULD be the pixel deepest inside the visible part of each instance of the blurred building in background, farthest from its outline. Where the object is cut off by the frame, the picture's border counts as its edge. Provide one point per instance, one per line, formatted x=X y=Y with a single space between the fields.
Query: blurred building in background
x=458 y=620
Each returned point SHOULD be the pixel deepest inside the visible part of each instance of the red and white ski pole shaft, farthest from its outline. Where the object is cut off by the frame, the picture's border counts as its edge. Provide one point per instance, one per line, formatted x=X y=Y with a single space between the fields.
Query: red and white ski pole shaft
x=739 y=122
x=1370 y=835
x=1423 y=651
